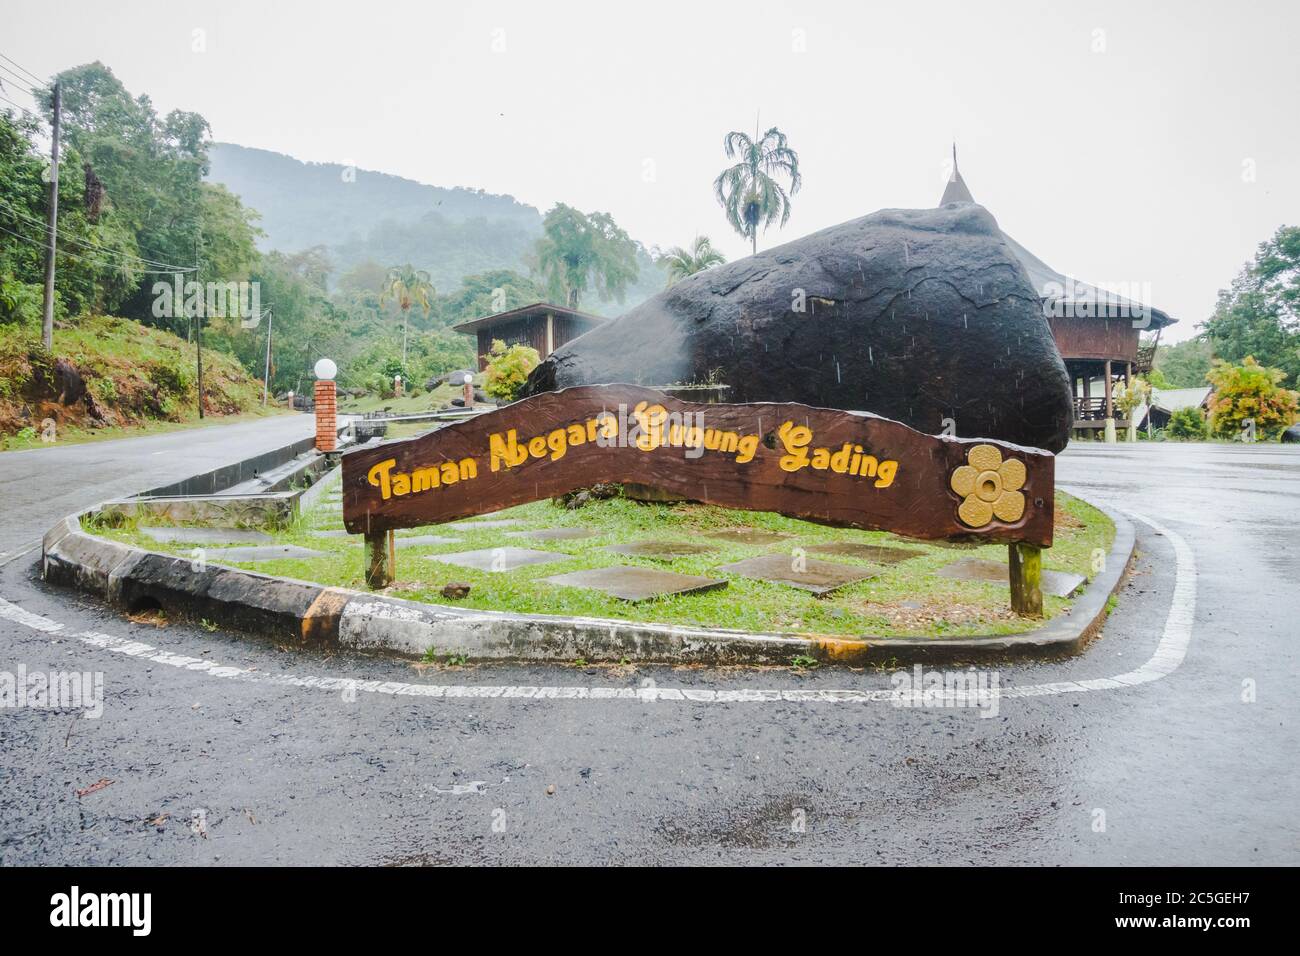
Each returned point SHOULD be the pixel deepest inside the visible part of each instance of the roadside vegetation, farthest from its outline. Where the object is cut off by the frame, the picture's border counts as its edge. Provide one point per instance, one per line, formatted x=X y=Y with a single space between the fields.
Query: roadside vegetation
x=1247 y=351
x=120 y=379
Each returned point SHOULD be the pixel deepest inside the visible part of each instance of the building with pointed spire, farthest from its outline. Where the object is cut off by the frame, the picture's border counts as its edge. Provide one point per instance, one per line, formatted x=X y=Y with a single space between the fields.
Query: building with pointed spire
x=1097 y=331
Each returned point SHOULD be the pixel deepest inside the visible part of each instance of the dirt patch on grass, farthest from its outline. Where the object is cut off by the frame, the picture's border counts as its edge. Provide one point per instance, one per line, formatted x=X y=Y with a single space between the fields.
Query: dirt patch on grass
x=1064 y=520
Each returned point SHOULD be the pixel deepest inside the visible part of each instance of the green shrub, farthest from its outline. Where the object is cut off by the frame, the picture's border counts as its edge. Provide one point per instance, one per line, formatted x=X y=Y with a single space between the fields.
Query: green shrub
x=508 y=369
x=21 y=303
x=1187 y=423
x=172 y=378
x=105 y=389
x=1249 y=399
x=1129 y=397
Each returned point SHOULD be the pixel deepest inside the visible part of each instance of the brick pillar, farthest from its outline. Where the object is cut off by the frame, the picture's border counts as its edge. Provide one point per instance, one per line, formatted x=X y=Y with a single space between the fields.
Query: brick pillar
x=469 y=394
x=326 y=425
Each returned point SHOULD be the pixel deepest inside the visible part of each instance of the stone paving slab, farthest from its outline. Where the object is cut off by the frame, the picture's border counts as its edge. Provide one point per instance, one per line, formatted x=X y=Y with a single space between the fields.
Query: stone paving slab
x=472 y=525
x=266 y=552
x=748 y=536
x=214 y=536
x=498 y=559
x=659 y=550
x=879 y=553
x=400 y=539
x=819 y=577
x=423 y=540
x=1057 y=583
x=552 y=534
x=633 y=584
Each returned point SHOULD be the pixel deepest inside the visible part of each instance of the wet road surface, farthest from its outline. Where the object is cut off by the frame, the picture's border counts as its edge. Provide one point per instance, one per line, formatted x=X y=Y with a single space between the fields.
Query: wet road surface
x=1197 y=767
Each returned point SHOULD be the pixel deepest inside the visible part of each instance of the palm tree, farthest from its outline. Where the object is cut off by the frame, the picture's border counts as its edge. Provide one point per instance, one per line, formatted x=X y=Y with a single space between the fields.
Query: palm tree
x=686 y=262
x=579 y=250
x=748 y=191
x=407 y=286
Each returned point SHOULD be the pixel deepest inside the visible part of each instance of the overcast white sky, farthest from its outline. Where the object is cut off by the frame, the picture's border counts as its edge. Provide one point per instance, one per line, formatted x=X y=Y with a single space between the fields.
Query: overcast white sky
x=1109 y=138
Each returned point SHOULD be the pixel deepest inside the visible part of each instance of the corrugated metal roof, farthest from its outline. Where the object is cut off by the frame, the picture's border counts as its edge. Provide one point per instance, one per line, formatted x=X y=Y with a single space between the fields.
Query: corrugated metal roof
x=1172 y=399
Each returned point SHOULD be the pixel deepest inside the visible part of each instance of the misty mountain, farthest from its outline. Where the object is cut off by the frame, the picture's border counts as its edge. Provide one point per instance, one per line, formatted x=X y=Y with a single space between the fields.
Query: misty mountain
x=308 y=204
x=361 y=215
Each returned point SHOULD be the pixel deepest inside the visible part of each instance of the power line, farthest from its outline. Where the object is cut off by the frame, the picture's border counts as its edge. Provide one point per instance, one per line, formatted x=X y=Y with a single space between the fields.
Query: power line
x=34 y=77
x=34 y=116
x=86 y=259
x=16 y=79
x=93 y=248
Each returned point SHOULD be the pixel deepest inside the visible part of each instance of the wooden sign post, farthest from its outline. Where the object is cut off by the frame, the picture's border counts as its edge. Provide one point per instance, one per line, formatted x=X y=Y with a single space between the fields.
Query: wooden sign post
x=848 y=469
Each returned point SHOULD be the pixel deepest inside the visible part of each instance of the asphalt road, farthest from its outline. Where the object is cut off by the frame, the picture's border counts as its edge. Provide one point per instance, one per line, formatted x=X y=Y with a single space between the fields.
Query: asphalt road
x=1196 y=767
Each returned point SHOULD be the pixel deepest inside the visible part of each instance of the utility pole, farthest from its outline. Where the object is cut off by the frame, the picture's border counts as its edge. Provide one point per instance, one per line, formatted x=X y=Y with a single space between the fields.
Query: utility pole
x=47 y=324
x=266 y=376
x=198 y=319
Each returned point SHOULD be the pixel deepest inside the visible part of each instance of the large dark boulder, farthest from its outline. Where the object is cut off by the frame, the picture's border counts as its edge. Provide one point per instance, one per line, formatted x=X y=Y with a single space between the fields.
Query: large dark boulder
x=916 y=315
x=1291 y=436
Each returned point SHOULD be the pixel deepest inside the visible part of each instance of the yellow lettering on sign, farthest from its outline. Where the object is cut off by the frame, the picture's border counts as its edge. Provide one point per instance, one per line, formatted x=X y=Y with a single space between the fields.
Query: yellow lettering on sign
x=393 y=484
x=651 y=419
x=425 y=479
x=795 y=439
x=506 y=450
x=379 y=477
x=849 y=459
x=558 y=442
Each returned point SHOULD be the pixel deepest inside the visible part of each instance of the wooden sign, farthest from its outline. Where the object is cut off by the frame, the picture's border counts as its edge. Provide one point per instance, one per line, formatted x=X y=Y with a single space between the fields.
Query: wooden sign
x=833 y=467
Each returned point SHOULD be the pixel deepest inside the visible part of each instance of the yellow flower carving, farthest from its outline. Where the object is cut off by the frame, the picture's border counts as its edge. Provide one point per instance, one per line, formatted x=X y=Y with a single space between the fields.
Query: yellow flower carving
x=989 y=486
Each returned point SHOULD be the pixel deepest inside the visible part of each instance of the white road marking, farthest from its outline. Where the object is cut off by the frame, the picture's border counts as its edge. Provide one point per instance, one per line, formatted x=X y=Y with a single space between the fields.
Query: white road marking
x=9 y=556
x=12 y=612
x=1169 y=654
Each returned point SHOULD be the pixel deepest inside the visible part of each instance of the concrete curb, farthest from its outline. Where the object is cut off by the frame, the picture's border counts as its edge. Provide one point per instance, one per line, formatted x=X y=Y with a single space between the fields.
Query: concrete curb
x=300 y=611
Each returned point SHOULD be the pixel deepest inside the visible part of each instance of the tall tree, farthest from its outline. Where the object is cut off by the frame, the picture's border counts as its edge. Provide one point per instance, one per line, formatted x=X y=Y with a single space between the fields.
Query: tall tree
x=1260 y=314
x=748 y=190
x=408 y=286
x=1184 y=364
x=681 y=262
x=484 y=293
x=578 y=251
